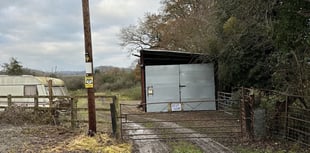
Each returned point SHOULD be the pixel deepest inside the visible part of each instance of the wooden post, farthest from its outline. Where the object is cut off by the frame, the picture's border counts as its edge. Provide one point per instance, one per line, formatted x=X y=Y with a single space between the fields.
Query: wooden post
x=113 y=119
x=89 y=60
x=36 y=104
x=120 y=122
x=286 y=117
x=50 y=95
x=9 y=100
x=115 y=113
x=73 y=105
x=242 y=115
x=50 y=92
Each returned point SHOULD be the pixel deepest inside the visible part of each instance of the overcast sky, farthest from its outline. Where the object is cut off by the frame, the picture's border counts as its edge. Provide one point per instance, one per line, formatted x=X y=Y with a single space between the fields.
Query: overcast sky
x=45 y=34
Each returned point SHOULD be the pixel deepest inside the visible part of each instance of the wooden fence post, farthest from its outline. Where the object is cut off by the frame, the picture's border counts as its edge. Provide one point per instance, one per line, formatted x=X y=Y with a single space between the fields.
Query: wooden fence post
x=50 y=96
x=73 y=105
x=36 y=104
x=286 y=117
x=114 y=108
x=9 y=100
x=242 y=115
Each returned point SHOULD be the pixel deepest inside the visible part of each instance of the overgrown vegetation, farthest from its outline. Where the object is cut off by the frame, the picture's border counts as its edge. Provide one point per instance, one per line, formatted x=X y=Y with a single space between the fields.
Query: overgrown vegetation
x=112 y=81
x=18 y=116
x=257 y=43
x=269 y=146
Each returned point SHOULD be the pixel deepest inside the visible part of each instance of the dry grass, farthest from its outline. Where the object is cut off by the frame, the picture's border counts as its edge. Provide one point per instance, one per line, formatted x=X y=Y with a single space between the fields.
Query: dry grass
x=22 y=130
x=100 y=143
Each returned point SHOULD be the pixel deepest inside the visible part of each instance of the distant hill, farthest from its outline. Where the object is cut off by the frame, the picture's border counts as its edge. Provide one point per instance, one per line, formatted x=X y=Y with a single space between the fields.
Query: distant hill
x=108 y=68
x=102 y=69
x=28 y=71
x=70 y=73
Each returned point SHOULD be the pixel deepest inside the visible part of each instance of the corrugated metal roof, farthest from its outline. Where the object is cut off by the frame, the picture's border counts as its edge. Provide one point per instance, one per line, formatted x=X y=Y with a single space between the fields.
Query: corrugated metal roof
x=28 y=80
x=166 y=57
x=55 y=81
x=18 y=80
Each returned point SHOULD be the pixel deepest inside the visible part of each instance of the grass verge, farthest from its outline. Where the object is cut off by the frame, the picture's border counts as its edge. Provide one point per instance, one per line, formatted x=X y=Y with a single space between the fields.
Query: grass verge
x=184 y=147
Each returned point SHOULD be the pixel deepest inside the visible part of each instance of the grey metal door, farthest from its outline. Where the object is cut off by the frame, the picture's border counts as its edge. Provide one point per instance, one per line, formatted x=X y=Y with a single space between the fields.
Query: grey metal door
x=180 y=87
x=197 y=88
x=162 y=86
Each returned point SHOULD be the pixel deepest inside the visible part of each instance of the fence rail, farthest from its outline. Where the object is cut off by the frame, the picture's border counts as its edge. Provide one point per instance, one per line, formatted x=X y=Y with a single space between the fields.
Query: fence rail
x=286 y=115
x=186 y=125
x=69 y=109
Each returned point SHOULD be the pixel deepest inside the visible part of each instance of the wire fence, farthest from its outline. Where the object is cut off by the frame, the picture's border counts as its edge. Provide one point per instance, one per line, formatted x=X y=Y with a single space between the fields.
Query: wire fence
x=65 y=110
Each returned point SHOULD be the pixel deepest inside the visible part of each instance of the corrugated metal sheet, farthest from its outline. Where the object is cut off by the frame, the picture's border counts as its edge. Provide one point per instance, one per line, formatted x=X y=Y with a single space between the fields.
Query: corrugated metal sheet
x=55 y=81
x=18 y=80
x=163 y=83
x=27 y=85
x=188 y=86
x=13 y=90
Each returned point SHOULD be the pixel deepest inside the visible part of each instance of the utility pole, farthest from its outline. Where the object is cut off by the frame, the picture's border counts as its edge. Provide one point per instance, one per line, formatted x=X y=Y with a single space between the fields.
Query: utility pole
x=89 y=77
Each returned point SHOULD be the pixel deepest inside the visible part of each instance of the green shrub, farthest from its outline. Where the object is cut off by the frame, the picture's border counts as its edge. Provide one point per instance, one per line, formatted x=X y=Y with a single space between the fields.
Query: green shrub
x=133 y=93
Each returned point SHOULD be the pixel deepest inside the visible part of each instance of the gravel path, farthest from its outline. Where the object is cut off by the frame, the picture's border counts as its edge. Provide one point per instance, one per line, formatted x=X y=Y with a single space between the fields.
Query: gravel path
x=146 y=146
x=146 y=140
x=208 y=145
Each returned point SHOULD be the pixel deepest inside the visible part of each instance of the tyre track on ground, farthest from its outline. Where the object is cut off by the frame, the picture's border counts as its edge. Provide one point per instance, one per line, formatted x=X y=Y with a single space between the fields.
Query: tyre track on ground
x=147 y=143
x=208 y=145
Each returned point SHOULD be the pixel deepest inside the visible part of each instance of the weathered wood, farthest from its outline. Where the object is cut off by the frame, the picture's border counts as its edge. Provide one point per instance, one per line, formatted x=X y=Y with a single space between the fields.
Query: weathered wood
x=243 y=115
x=115 y=113
x=50 y=91
x=97 y=109
x=73 y=119
x=92 y=128
x=113 y=118
x=73 y=105
x=36 y=104
x=9 y=100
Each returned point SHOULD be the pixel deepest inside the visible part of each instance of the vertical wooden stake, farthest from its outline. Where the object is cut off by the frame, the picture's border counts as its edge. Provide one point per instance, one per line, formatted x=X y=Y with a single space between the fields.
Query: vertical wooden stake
x=286 y=116
x=73 y=103
x=9 y=100
x=36 y=104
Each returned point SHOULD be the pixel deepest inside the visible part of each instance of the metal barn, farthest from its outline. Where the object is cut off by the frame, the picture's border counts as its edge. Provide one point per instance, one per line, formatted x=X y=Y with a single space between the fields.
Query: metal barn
x=177 y=81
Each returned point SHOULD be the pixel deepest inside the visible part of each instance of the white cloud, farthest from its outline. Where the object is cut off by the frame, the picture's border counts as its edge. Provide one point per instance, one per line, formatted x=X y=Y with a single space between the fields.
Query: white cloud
x=44 y=34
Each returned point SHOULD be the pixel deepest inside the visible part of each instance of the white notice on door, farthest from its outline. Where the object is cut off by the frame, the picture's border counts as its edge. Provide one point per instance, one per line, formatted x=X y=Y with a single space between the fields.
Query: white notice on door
x=176 y=107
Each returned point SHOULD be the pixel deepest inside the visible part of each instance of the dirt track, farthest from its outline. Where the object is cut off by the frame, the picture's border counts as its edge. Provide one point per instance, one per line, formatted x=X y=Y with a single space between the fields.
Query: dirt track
x=145 y=141
x=145 y=146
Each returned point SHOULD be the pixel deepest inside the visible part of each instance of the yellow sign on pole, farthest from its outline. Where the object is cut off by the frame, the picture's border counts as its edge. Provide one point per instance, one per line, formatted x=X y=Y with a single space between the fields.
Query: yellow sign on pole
x=89 y=82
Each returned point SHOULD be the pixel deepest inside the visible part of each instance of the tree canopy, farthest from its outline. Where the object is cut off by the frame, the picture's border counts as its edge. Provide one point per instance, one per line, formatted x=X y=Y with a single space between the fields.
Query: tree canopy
x=257 y=43
x=14 y=67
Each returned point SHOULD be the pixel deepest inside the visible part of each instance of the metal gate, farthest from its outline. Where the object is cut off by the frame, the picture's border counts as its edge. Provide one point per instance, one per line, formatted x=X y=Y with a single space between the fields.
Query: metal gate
x=185 y=125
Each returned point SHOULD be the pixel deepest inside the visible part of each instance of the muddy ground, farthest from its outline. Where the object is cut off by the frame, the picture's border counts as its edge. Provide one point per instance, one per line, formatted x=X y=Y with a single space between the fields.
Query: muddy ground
x=154 y=132
x=209 y=140
x=25 y=137
x=32 y=138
